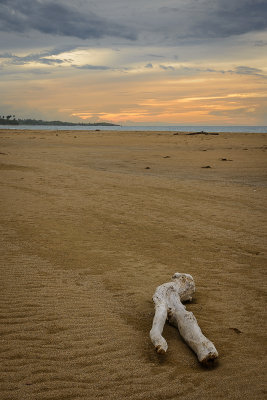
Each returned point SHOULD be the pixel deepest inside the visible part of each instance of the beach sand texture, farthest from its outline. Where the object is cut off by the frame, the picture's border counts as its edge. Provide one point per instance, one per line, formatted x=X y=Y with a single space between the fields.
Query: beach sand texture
x=91 y=223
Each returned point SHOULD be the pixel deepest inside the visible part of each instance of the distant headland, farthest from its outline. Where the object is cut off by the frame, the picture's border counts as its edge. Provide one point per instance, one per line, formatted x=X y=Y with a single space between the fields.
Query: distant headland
x=12 y=120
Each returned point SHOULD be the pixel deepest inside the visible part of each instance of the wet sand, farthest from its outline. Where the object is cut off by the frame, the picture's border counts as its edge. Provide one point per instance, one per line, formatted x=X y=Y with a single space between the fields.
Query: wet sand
x=91 y=223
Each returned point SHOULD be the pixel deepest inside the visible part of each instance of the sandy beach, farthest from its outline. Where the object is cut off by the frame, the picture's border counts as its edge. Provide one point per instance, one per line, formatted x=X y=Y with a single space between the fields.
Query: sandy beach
x=91 y=223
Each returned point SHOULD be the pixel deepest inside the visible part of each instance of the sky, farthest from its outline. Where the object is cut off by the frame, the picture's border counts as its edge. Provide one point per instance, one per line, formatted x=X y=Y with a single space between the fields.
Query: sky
x=141 y=62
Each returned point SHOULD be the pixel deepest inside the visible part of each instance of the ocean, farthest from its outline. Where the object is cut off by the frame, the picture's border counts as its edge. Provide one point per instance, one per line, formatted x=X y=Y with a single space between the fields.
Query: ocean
x=168 y=128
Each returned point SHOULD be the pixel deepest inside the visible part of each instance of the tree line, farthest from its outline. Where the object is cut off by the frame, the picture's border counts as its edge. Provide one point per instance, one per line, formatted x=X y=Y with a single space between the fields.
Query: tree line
x=8 y=121
x=12 y=120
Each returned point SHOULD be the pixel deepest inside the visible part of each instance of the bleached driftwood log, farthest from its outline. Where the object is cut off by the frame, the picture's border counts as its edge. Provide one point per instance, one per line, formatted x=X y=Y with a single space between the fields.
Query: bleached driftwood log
x=168 y=300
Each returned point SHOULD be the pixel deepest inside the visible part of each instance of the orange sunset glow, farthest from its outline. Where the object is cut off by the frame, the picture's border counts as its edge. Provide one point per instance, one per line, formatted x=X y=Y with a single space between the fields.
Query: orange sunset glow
x=130 y=77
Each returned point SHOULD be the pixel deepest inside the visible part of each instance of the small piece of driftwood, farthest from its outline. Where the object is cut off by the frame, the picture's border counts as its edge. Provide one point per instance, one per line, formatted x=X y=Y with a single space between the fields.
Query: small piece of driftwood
x=168 y=300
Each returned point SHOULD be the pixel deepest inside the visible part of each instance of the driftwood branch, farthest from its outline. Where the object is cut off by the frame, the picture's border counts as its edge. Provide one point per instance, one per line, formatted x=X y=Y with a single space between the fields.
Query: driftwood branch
x=168 y=300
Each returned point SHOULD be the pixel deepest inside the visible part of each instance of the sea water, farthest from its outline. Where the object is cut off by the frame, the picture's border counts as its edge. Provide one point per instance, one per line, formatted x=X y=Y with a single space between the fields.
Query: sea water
x=160 y=128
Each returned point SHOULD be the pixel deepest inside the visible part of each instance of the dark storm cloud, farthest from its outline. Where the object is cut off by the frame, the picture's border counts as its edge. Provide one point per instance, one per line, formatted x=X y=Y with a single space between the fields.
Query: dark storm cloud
x=218 y=18
x=57 y=18
x=161 y=20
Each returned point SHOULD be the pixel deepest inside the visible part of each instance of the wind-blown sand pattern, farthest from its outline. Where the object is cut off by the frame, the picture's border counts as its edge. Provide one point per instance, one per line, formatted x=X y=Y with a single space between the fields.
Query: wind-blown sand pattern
x=88 y=232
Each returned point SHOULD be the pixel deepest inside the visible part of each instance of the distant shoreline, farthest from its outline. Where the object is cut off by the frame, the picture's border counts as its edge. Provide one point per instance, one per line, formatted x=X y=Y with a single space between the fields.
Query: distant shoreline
x=34 y=122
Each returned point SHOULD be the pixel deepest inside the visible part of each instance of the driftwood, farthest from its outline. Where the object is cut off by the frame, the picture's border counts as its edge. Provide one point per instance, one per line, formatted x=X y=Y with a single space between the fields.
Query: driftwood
x=168 y=300
x=202 y=133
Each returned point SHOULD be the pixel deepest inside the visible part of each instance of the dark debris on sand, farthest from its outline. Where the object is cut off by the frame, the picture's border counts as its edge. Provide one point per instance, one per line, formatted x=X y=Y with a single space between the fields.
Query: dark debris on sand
x=202 y=133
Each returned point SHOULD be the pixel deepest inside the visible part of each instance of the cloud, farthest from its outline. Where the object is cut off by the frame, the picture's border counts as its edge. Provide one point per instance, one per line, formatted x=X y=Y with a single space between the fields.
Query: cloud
x=41 y=58
x=38 y=71
x=260 y=43
x=155 y=55
x=243 y=70
x=16 y=60
x=188 y=20
x=93 y=67
x=247 y=70
x=186 y=54
x=217 y=18
x=57 y=18
x=228 y=112
x=167 y=67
